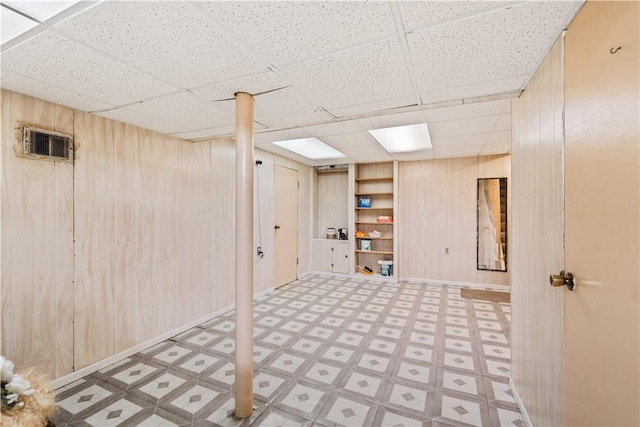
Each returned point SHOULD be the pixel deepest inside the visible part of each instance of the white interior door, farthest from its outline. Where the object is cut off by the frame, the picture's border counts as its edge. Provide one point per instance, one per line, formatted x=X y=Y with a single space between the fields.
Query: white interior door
x=602 y=152
x=286 y=225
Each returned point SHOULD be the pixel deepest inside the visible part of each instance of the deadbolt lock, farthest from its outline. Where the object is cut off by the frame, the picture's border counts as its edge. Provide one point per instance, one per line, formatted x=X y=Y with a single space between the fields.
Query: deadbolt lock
x=566 y=279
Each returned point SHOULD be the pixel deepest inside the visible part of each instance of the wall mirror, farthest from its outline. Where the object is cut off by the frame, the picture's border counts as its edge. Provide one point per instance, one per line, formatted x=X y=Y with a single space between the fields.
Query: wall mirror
x=492 y=224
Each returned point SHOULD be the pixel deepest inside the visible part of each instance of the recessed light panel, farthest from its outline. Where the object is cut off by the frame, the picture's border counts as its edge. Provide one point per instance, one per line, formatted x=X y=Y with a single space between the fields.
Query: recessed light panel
x=41 y=10
x=14 y=24
x=311 y=148
x=402 y=139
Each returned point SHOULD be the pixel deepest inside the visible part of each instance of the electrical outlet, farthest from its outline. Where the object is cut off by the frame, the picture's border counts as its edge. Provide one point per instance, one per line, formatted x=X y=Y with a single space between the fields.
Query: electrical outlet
x=446 y=251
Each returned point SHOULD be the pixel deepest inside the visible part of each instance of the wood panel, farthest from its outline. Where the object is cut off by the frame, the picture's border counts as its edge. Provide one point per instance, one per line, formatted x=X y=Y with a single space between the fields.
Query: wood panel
x=304 y=219
x=536 y=243
x=153 y=223
x=146 y=259
x=437 y=210
x=331 y=202
x=37 y=241
x=223 y=221
x=602 y=246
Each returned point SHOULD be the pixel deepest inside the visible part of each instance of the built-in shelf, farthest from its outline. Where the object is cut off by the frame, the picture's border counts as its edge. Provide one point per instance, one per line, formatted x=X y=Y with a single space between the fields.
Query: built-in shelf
x=375 y=182
x=374 y=222
x=377 y=178
x=373 y=193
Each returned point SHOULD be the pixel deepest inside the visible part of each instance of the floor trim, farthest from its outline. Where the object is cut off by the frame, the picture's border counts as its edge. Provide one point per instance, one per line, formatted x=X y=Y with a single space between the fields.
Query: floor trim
x=483 y=286
x=88 y=370
x=523 y=409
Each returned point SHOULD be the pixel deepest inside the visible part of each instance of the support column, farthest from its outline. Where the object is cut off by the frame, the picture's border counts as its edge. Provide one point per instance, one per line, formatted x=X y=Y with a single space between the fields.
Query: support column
x=244 y=255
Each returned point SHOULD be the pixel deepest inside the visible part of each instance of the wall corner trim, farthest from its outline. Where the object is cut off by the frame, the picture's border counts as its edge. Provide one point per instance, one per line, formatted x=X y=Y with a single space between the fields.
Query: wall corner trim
x=523 y=409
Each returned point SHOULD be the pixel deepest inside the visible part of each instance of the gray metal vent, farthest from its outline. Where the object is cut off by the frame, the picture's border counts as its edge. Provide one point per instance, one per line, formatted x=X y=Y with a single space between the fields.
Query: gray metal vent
x=47 y=144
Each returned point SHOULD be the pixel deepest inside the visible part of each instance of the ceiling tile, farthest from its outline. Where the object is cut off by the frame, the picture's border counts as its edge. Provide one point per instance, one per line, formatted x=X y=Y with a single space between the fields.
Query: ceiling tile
x=127 y=115
x=285 y=108
x=228 y=130
x=154 y=36
x=465 y=111
x=416 y=155
x=460 y=140
x=511 y=84
x=38 y=89
x=193 y=134
x=502 y=148
x=503 y=122
x=392 y=120
x=365 y=157
x=483 y=124
x=377 y=106
x=369 y=150
x=483 y=48
x=254 y=84
x=425 y=14
x=266 y=138
x=291 y=155
x=357 y=139
x=283 y=32
x=334 y=128
x=60 y=62
x=350 y=74
x=500 y=137
x=187 y=110
x=451 y=152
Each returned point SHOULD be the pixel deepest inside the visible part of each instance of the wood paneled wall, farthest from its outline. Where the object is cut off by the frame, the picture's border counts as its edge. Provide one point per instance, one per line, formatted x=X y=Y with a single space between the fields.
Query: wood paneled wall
x=37 y=241
x=438 y=210
x=537 y=242
x=152 y=218
x=332 y=197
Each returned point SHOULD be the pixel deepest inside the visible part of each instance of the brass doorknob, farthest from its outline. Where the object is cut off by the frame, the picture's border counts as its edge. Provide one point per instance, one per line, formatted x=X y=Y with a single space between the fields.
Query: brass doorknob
x=566 y=279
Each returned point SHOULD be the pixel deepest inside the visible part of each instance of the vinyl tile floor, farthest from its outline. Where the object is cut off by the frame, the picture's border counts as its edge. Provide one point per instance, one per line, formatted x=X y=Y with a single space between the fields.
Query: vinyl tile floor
x=328 y=351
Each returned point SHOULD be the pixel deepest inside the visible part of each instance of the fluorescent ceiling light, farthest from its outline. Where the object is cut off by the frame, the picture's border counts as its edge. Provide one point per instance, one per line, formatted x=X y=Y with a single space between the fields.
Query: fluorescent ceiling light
x=41 y=10
x=402 y=139
x=13 y=24
x=311 y=148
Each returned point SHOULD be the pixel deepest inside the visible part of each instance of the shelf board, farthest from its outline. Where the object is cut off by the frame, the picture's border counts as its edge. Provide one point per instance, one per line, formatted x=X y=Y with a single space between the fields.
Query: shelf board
x=375 y=209
x=378 y=178
x=375 y=238
x=385 y=193
x=374 y=252
x=374 y=223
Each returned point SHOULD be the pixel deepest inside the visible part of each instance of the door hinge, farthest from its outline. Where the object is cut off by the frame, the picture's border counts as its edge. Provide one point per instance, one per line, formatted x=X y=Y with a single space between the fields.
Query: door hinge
x=298 y=184
x=297 y=261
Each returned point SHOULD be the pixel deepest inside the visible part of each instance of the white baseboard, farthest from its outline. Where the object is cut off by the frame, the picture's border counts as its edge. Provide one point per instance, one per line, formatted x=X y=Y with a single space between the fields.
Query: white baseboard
x=433 y=282
x=357 y=276
x=88 y=370
x=523 y=409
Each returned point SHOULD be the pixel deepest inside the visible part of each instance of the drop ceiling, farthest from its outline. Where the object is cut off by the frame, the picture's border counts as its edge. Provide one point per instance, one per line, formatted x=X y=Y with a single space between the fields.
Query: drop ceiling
x=330 y=70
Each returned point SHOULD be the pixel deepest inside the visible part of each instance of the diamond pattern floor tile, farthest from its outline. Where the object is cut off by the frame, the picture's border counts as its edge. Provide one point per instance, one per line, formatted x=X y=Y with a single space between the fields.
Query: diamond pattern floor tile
x=350 y=351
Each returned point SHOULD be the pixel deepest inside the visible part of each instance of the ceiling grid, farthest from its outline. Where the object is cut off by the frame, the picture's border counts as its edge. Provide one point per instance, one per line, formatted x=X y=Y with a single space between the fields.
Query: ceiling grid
x=330 y=70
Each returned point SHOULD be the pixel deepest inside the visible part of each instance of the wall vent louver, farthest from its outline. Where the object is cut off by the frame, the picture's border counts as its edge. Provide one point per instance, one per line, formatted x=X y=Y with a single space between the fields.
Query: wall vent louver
x=45 y=144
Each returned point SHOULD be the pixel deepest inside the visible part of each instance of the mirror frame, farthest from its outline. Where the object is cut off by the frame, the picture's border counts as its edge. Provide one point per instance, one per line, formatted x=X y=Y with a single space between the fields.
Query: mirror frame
x=502 y=182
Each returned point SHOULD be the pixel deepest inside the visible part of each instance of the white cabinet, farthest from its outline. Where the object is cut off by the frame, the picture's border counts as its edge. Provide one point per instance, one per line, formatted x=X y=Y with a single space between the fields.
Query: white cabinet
x=330 y=255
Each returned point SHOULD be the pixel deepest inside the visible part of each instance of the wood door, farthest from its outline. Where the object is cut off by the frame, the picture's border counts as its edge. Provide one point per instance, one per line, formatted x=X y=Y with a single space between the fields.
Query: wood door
x=285 y=226
x=601 y=359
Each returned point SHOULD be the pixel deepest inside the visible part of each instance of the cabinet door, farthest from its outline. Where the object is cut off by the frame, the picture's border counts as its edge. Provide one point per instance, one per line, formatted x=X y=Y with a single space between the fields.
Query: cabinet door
x=341 y=257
